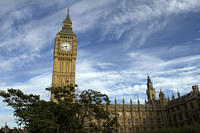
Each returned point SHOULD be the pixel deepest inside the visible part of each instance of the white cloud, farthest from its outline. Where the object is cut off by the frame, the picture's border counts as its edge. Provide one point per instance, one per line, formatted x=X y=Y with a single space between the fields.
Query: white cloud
x=105 y=65
x=143 y=61
x=35 y=85
x=141 y=12
x=182 y=60
x=13 y=63
x=166 y=75
x=144 y=19
x=90 y=6
x=33 y=37
x=6 y=6
x=89 y=14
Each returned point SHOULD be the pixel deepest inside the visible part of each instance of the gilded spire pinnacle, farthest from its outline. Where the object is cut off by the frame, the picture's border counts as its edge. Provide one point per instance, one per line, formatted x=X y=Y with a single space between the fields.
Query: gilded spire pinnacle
x=67 y=19
x=68 y=12
x=67 y=25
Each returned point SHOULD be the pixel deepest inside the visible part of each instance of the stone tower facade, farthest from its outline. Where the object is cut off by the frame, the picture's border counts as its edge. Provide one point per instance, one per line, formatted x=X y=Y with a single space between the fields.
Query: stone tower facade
x=151 y=93
x=65 y=52
x=158 y=113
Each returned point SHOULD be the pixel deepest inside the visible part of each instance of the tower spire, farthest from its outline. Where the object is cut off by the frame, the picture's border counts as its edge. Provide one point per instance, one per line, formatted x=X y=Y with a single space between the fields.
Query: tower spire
x=68 y=12
x=67 y=25
x=149 y=83
x=178 y=93
x=151 y=93
x=67 y=19
x=173 y=97
x=148 y=79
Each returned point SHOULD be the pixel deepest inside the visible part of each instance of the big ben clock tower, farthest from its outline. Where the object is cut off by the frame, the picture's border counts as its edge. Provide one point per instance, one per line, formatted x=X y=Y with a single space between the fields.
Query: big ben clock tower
x=65 y=52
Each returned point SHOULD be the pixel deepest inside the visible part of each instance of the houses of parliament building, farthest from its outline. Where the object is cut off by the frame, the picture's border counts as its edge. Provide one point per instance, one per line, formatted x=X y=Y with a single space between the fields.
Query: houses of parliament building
x=155 y=113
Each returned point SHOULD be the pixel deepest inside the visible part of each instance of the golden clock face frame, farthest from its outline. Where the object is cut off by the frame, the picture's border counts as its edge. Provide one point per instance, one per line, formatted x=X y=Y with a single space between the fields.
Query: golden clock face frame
x=65 y=46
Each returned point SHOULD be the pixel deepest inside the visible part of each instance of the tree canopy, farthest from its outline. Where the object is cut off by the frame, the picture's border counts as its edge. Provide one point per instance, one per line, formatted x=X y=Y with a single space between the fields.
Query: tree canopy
x=69 y=112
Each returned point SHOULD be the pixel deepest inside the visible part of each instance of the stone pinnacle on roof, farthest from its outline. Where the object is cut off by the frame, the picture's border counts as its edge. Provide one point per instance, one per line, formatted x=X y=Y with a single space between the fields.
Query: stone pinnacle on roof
x=148 y=79
x=67 y=19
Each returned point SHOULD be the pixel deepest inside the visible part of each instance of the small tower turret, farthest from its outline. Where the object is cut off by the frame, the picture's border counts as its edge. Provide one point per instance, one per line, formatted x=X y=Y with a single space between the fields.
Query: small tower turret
x=138 y=101
x=173 y=97
x=195 y=88
x=138 y=104
x=151 y=93
x=162 y=95
x=149 y=83
x=163 y=100
x=178 y=93
x=131 y=101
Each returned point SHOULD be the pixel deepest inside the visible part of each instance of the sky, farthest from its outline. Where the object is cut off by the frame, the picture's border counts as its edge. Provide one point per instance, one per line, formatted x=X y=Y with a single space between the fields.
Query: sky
x=120 y=43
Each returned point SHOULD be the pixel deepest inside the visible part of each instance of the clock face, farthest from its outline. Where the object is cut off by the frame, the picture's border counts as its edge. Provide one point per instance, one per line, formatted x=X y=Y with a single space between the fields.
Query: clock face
x=65 y=46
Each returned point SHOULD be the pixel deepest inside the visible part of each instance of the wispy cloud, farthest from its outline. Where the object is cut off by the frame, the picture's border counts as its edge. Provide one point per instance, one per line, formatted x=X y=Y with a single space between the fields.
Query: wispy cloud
x=152 y=15
x=166 y=75
x=143 y=11
x=35 y=85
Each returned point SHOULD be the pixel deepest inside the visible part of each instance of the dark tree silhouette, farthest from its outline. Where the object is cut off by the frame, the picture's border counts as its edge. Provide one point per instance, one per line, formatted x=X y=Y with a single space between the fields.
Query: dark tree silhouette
x=69 y=113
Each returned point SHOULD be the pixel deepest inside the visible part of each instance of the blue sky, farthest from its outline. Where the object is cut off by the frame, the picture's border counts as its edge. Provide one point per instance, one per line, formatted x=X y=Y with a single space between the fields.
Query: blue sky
x=120 y=42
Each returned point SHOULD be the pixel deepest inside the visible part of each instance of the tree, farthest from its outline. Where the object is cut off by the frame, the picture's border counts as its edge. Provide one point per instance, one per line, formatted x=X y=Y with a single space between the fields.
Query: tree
x=69 y=113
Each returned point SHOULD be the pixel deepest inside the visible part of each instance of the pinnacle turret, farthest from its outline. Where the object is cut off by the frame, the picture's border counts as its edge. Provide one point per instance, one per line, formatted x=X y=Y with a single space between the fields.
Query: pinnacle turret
x=138 y=101
x=131 y=101
x=178 y=93
x=115 y=100
x=173 y=97
x=151 y=93
x=149 y=83
x=148 y=79
x=67 y=19
x=161 y=95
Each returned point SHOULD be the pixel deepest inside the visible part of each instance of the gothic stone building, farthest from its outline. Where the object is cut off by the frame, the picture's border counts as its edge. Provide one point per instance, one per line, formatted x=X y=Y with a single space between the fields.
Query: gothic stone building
x=158 y=113
x=133 y=118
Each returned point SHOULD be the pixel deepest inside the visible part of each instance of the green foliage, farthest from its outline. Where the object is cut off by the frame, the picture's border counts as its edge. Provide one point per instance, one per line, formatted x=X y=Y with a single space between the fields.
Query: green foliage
x=69 y=113
x=20 y=103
